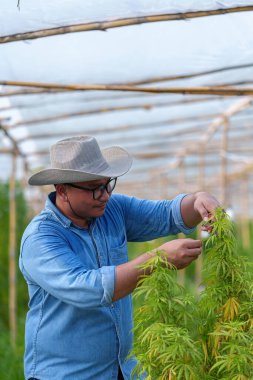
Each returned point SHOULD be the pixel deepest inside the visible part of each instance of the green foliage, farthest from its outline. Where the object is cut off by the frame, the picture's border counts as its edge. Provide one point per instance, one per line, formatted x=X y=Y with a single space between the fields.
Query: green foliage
x=225 y=307
x=22 y=220
x=163 y=343
x=11 y=360
x=179 y=337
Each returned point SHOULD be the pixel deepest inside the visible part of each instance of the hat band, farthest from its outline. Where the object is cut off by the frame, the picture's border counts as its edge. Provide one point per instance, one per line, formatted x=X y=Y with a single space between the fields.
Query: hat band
x=96 y=167
x=92 y=167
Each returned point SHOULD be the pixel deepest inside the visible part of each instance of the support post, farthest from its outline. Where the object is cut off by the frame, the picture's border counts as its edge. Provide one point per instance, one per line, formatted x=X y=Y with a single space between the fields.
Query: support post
x=201 y=187
x=182 y=188
x=223 y=173
x=12 y=254
x=245 y=226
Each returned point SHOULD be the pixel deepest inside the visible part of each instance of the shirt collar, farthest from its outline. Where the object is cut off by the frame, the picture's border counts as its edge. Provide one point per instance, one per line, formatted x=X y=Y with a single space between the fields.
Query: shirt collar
x=50 y=205
x=66 y=222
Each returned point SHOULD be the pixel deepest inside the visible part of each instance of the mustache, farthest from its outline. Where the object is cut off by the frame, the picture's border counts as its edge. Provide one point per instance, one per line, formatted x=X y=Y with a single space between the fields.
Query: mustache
x=101 y=204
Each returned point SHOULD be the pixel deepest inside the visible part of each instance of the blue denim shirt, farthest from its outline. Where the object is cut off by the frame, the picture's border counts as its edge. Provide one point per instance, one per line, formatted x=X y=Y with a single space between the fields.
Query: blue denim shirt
x=73 y=329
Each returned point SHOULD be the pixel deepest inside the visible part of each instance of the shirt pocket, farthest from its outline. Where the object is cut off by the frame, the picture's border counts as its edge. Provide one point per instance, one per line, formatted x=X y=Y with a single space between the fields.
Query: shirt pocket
x=118 y=254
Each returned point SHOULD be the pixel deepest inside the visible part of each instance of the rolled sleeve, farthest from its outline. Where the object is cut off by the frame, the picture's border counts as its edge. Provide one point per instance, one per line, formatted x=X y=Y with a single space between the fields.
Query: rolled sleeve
x=149 y=219
x=108 y=283
x=51 y=264
x=177 y=216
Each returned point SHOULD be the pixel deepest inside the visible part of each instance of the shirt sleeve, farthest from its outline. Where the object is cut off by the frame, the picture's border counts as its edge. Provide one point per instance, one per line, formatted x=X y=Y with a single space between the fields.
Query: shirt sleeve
x=148 y=219
x=48 y=261
x=177 y=216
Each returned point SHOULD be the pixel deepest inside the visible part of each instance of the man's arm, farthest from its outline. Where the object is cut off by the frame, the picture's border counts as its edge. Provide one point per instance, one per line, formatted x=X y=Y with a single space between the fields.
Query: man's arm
x=197 y=207
x=180 y=252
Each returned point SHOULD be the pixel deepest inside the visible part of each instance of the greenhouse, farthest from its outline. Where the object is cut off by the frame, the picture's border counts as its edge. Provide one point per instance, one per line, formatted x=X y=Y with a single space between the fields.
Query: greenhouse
x=172 y=83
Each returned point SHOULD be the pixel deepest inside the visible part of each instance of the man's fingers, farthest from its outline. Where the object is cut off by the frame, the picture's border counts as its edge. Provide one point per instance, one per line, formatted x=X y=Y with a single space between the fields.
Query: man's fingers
x=194 y=248
x=190 y=243
x=207 y=209
x=195 y=252
x=203 y=212
x=207 y=228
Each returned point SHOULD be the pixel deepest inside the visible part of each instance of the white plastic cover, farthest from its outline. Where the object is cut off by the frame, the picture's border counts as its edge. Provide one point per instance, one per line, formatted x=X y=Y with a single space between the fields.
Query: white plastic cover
x=124 y=55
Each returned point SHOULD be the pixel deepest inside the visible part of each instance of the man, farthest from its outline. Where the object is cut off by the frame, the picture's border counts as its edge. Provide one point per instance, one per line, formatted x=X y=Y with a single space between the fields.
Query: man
x=74 y=259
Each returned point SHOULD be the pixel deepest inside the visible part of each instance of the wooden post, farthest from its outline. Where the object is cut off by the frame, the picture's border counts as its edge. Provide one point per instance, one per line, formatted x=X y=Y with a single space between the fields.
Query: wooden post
x=245 y=226
x=182 y=189
x=182 y=177
x=12 y=254
x=44 y=190
x=223 y=174
x=123 y=22
x=163 y=186
x=201 y=168
x=25 y=175
x=181 y=272
x=201 y=187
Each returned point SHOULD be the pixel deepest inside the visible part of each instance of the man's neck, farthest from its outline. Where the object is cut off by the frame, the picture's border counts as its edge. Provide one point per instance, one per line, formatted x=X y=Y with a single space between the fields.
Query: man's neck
x=75 y=219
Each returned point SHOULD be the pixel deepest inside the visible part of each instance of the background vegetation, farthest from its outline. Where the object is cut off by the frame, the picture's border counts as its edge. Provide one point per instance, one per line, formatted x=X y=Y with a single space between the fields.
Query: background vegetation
x=11 y=360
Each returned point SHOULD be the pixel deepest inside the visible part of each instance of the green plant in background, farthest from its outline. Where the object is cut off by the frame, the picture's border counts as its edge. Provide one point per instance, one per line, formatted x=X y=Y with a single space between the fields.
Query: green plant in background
x=22 y=220
x=178 y=336
x=11 y=360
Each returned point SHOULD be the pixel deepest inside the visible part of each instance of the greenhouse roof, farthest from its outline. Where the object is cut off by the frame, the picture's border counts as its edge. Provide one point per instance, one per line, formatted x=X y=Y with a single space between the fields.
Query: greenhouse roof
x=170 y=81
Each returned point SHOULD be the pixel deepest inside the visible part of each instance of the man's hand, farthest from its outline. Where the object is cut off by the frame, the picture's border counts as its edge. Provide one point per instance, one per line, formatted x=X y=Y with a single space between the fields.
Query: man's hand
x=181 y=252
x=205 y=204
x=197 y=207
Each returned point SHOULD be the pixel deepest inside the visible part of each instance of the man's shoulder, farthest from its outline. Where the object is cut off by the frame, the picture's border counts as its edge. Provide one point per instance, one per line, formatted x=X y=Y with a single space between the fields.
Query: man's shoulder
x=119 y=201
x=40 y=222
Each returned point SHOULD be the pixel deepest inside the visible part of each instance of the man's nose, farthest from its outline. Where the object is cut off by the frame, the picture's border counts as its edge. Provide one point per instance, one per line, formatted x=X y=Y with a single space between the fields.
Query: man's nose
x=105 y=195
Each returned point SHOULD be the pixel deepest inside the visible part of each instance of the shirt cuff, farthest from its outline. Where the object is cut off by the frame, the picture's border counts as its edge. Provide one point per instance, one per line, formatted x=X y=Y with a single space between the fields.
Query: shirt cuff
x=178 y=216
x=108 y=281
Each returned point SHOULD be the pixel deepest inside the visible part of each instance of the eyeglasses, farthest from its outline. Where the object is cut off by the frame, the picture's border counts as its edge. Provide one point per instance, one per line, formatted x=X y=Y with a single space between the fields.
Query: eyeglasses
x=99 y=190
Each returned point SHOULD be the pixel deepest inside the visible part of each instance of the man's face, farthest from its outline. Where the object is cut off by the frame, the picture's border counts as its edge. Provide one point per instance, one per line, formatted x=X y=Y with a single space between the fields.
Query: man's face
x=82 y=200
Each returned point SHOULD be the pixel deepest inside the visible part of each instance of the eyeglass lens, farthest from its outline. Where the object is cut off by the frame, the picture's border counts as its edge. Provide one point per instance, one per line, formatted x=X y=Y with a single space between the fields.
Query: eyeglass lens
x=109 y=187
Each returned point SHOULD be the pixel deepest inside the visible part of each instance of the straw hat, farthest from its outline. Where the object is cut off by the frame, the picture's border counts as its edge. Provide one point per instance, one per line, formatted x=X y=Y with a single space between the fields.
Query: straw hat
x=80 y=159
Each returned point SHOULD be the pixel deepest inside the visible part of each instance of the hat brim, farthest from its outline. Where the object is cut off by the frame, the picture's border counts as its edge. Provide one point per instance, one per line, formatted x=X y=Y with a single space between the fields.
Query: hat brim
x=119 y=163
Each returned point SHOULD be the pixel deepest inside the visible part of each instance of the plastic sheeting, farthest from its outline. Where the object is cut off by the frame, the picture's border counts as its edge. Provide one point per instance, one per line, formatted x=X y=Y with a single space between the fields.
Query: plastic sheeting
x=123 y=55
x=45 y=13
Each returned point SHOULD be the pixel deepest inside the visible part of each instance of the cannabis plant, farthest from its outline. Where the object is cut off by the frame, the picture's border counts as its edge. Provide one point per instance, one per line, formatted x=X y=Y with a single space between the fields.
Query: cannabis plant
x=225 y=307
x=179 y=337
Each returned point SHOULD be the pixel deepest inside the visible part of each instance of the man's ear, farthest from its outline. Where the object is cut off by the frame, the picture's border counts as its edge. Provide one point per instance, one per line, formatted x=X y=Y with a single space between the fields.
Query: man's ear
x=61 y=192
